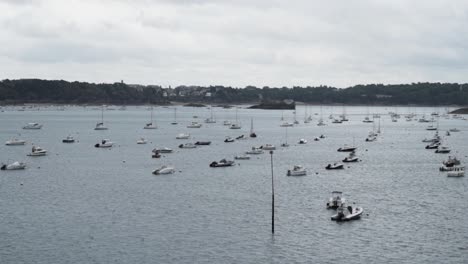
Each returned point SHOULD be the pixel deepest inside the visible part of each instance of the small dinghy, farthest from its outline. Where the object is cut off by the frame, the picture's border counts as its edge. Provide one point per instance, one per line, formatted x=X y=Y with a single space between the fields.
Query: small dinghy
x=336 y=200
x=183 y=136
x=297 y=170
x=242 y=157
x=15 y=142
x=254 y=151
x=346 y=148
x=142 y=141
x=14 y=166
x=68 y=139
x=203 y=143
x=302 y=141
x=32 y=126
x=37 y=151
x=433 y=145
x=221 y=163
x=322 y=136
x=456 y=172
x=268 y=147
x=164 y=170
x=442 y=150
x=241 y=137
x=334 y=166
x=347 y=213
x=187 y=146
x=229 y=140
x=351 y=157
x=105 y=143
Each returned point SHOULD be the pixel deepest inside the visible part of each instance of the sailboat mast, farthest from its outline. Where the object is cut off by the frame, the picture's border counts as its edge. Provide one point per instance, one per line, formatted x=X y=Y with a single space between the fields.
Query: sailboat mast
x=102 y=114
x=251 y=125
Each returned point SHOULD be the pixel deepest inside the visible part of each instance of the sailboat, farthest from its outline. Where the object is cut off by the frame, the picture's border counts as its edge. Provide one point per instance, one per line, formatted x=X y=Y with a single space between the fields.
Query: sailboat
x=378 y=129
x=306 y=119
x=175 y=117
x=100 y=125
x=285 y=144
x=210 y=120
x=252 y=133
x=236 y=125
x=321 y=123
x=343 y=116
x=150 y=125
x=295 y=119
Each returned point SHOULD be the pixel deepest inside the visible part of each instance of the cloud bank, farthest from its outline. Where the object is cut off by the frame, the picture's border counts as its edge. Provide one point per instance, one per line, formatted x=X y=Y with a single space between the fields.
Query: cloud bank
x=237 y=43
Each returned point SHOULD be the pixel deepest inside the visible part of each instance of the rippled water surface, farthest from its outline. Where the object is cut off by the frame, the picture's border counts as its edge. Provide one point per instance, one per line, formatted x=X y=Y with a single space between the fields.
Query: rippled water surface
x=80 y=204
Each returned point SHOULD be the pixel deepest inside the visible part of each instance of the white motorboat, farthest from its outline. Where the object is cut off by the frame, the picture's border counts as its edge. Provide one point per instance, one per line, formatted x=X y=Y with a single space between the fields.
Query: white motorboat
x=456 y=172
x=241 y=137
x=431 y=127
x=435 y=138
x=351 y=157
x=254 y=151
x=187 y=146
x=235 y=126
x=164 y=170
x=242 y=157
x=433 y=145
x=105 y=143
x=286 y=124
x=68 y=139
x=347 y=148
x=14 y=166
x=297 y=170
x=371 y=138
x=142 y=141
x=222 y=163
x=443 y=150
x=32 y=126
x=336 y=200
x=163 y=150
x=367 y=120
x=268 y=147
x=15 y=142
x=302 y=141
x=37 y=151
x=194 y=125
x=346 y=213
x=229 y=140
x=334 y=166
x=183 y=136
x=150 y=125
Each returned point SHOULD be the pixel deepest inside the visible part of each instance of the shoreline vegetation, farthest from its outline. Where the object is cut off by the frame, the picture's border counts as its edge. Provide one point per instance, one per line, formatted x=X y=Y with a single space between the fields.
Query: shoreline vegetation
x=37 y=91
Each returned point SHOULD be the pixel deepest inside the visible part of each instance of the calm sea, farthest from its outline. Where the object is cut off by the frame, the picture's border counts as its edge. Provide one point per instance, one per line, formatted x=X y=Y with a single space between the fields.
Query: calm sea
x=80 y=204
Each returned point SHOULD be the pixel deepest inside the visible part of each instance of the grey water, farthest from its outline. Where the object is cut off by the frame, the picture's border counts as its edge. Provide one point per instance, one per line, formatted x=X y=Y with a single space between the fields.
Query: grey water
x=81 y=204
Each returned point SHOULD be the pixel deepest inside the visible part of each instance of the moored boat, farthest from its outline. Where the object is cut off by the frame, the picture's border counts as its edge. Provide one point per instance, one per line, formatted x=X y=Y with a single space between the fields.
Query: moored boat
x=14 y=166
x=336 y=200
x=68 y=139
x=347 y=213
x=105 y=143
x=297 y=170
x=37 y=151
x=334 y=166
x=15 y=142
x=221 y=163
x=32 y=126
x=164 y=170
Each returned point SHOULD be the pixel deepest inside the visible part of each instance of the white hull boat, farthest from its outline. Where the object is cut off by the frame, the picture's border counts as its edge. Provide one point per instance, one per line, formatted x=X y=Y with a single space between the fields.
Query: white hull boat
x=194 y=125
x=347 y=213
x=32 y=126
x=268 y=147
x=15 y=142
x=302 y=141
x=68 y=139
x=183 y=136
x=142 y=141
x=336 y=200
x=297 y=170
x=37 y=151
x=163 y=150
x=14 y=166
x=242 y=157
x=105 y=143
x=164 y=170
x=187 y=146
x=254 y=151
x=457 y=172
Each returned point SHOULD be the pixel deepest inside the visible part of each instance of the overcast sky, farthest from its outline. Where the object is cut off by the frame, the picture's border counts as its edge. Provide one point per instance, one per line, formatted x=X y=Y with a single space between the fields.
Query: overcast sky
x=235 y=42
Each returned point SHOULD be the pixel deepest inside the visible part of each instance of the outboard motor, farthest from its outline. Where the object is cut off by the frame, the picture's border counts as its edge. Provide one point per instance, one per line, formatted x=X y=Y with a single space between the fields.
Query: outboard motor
x=3 y=167
x=97 y=145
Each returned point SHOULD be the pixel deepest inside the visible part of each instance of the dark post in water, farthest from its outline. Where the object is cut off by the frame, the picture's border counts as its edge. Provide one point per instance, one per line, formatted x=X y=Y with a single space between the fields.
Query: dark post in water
x=272 y=196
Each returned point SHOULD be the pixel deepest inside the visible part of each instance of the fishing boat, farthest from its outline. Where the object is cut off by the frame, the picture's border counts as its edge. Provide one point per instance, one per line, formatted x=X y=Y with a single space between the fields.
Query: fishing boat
x=105 y=143
x=183 y=136
x=150 y=125
x=347 y=213
x=336 y=200
x=222 y=163
x=334 y=166
x=14 y=166
x=100 y=125
x=297 y=170
x=351 y=157
x=68 y=139
x=254 y=151
x=32 y=126
x=456 y=172
x=268 y=147
x=15 y=142
x=37 y=151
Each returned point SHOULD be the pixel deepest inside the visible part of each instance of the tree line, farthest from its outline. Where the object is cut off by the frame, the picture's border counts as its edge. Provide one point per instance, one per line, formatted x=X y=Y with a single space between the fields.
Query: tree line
x=59 y=91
